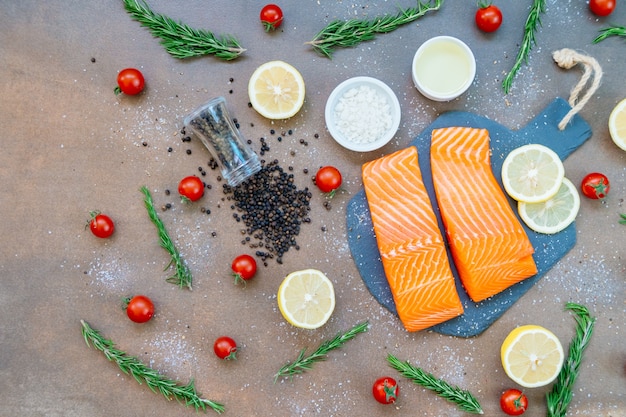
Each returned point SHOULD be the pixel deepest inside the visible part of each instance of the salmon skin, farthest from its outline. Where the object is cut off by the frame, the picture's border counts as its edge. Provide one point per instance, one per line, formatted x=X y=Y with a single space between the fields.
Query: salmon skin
x=490 y=248
x=410 y=243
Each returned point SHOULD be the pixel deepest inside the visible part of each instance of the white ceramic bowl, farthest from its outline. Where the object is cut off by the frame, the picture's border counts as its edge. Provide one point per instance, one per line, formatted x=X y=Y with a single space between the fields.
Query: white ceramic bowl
x=367 y=117
x=443 y=68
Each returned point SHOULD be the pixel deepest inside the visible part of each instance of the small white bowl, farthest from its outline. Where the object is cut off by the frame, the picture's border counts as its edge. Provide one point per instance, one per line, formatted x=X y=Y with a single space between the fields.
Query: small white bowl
x=365 y=116
x=443 y=68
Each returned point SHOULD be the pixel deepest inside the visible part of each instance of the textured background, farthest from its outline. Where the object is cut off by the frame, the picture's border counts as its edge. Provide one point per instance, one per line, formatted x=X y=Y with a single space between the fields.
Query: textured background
x=69 y=145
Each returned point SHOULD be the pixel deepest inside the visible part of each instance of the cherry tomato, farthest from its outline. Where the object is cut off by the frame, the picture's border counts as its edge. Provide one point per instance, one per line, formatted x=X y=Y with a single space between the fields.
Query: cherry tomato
x=488 y=18
x=130 y=81
x=328 y=179
x=244 y=268
x=271 y=16
x=101 y=225
x=385 y=390
x=139 y=308
x=602 y=7
x=225 y=348
x=191 y=188
x=595 y=185
x=513 y=402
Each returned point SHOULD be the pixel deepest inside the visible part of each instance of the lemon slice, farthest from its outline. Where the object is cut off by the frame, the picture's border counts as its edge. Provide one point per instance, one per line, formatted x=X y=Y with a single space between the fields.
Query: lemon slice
x=276 y=90
x=532 y=173
x=532 y=356
x=306 y=298
x=617 y=124
x=555 y=214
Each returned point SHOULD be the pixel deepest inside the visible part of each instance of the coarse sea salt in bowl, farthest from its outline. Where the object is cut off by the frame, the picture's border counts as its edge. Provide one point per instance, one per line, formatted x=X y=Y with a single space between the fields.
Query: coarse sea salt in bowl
x=362 y=114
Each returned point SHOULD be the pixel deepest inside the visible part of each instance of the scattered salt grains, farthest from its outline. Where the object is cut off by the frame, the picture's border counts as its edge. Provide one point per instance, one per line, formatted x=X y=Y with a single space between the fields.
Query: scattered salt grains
x=170 y=351
x=111 y=273
x=363 y=115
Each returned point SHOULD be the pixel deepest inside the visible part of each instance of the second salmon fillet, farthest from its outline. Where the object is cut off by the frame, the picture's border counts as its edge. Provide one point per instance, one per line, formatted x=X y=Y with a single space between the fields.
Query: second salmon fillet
x=411 y=246
x=490 y=248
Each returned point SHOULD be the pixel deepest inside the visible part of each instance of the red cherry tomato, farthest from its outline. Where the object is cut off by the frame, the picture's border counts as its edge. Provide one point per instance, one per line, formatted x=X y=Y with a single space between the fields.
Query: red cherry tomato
x=101 y=225
x=271 y=16
x=385 y=390
x=595 y=186
x=328 y=179
x=488 y=18
x=602 y=7
x=139 y=309
x=191 y=188
x=225 y=348
x=130 y=81
x=244 y=268
x=513 y=402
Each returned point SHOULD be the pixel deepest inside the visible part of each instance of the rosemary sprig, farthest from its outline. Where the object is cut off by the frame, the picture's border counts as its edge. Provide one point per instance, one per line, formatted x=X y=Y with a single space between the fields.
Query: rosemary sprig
x=130 y=365
x=180 y=40
x=532 y=23
x=304 y=363
x=347 y=33
x=561 y=394
x=609 y=32
x=622 y=218
x=182 y=277
x=462 y=398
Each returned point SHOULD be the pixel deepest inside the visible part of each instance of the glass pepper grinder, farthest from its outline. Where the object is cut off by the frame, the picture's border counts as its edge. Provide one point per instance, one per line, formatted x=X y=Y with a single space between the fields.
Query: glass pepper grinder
x=212 y=123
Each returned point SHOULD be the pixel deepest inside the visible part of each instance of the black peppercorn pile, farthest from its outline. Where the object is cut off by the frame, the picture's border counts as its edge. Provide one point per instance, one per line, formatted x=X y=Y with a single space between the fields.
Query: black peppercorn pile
x=273 y=210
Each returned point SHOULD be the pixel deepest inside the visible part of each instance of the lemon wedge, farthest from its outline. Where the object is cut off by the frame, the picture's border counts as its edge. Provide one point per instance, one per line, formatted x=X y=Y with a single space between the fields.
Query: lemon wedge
x=532 y=356
x=617 y=124
x=555 y=214
x=306 y=298
x=276 y=90
x=532 y=173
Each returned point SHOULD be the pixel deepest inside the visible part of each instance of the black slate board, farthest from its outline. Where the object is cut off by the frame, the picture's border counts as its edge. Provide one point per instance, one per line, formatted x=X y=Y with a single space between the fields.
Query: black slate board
x=549 y=249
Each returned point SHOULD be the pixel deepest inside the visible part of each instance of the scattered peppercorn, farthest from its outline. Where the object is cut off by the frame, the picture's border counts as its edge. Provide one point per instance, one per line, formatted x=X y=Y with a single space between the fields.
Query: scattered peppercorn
x=188 y=151
x=170 y=149
x=144 y=143
x=272 y=208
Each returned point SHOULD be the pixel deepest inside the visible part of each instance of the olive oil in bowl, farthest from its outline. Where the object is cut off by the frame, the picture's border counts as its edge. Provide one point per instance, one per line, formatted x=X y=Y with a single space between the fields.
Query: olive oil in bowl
x=443 y=68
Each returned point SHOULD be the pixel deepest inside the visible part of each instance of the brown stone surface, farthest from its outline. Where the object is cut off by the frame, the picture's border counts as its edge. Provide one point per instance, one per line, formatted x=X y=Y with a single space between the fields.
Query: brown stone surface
x=69 y=146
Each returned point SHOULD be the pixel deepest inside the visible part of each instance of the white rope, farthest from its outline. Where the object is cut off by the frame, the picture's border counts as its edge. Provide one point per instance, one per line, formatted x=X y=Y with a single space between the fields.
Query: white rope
x=568 y=58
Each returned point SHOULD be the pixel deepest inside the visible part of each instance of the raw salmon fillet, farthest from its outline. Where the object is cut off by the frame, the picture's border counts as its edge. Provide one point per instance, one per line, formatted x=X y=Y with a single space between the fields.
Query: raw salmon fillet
x=411 y=246
x=490 y=248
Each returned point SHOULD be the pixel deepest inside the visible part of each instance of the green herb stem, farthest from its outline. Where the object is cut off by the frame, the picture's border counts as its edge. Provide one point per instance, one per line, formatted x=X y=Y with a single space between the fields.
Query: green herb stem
x=622 y=218
x=560 y=396
x=180 y=40
x=462 y=398
x=619 y=31
x=130 y=365
x=348 y=33
x=532 y=24
x=304 y=363
x=182 y=277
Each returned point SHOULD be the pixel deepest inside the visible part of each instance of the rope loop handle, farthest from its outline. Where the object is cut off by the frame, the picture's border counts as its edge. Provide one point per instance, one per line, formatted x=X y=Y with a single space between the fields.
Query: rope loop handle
x=568 y=58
